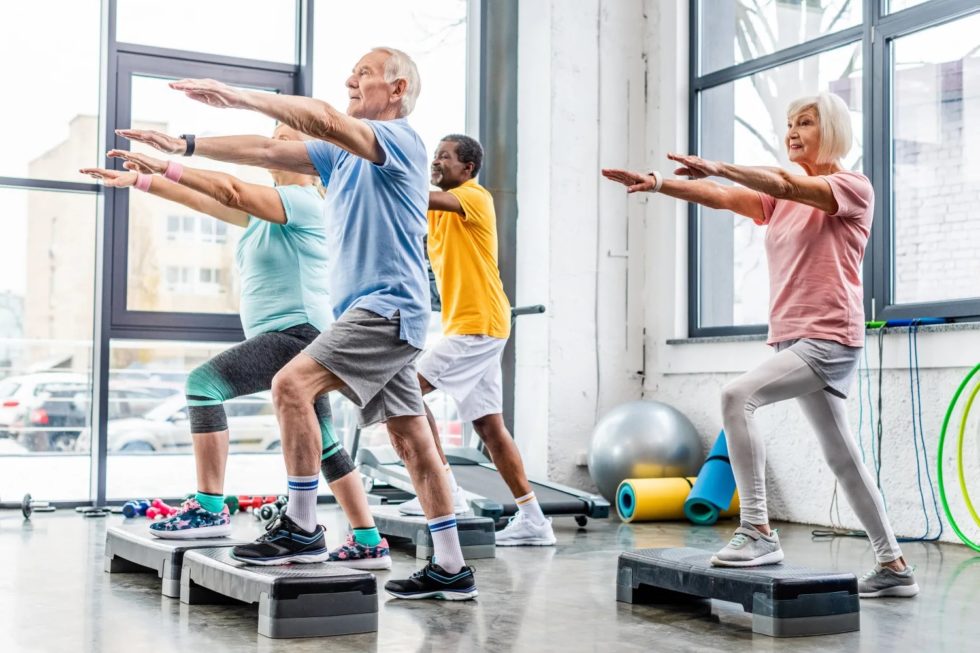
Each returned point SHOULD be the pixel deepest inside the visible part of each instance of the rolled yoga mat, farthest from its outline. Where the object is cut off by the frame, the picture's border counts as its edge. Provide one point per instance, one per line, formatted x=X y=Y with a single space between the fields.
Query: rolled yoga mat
x=713 y=494
x=652 y=499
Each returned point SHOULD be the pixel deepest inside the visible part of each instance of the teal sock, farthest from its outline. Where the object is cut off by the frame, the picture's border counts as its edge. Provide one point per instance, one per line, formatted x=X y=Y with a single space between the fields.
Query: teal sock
x=211 y=502
x=367 y=536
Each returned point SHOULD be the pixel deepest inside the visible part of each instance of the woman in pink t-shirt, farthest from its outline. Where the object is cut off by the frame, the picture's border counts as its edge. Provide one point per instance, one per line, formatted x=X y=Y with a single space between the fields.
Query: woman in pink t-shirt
x=818 y=227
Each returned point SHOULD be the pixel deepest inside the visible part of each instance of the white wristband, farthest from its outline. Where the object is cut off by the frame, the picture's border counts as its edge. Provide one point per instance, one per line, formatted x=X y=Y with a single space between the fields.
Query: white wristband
x=660 y=180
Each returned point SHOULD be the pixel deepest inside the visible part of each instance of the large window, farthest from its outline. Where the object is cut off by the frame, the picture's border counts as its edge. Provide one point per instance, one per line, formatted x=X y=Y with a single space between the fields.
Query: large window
x=46 y=317
x=910 y=74
x=936 y=163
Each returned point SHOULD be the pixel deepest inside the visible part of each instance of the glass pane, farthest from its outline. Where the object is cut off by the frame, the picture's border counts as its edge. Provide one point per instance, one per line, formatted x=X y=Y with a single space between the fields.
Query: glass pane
x=149 y=439
x=433 y=33
x=745 y=122
x=936 y=169
x=47 y=295
x=253 y=29
x=741 y=30
x=171 y=246
x=52 y=129
x=898 y=5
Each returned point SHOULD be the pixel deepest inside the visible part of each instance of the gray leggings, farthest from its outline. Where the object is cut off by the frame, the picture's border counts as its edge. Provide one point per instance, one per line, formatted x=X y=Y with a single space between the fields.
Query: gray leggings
x=786 y=376
x=248 y=367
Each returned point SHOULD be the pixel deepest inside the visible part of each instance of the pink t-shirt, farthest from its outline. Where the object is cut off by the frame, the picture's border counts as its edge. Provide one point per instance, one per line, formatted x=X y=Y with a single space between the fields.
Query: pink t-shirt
x=815 y=288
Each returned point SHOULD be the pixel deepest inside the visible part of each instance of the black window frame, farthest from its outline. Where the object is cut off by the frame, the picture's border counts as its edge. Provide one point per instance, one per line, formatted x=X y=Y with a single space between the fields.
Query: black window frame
x=876 y=33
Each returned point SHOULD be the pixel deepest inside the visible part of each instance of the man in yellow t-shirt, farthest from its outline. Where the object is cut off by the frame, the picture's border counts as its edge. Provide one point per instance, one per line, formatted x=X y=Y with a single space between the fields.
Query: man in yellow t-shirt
x=465 y=363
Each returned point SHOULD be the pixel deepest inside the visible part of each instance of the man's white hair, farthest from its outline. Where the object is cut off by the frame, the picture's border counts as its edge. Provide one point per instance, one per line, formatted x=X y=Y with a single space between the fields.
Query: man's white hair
x=834 y=120
x=399 y=65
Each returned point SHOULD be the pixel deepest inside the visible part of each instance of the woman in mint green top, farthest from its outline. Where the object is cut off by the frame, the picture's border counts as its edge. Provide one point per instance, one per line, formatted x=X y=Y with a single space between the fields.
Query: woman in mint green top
x=283 y=267
x=282 y=260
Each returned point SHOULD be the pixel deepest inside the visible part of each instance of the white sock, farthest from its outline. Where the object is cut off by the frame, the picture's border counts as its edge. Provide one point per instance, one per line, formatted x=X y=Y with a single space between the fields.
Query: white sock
x=302 y=501
x=445 y=543
x=528 y=504
x=453 y=486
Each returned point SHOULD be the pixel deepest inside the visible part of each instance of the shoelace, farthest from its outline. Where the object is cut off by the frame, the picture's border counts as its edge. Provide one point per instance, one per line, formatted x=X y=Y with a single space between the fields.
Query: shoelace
x=274 y=526
x=871 y=574
x=879 y=568
x=738 y=539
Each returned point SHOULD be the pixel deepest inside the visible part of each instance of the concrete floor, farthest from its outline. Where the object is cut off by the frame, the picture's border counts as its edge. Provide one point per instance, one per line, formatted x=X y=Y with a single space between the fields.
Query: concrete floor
x=54 y=596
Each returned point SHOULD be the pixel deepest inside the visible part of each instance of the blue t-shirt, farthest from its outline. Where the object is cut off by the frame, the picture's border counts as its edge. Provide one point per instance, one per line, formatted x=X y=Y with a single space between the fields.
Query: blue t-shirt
x=375 y=217
x=283 y=267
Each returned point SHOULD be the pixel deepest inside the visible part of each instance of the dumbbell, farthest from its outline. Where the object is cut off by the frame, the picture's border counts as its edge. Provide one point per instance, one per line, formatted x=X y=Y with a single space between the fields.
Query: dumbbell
x=249 y=502
x=29 y=505
x=135 y=508
x=270 y=510
x=232 y=502
x=246 y=502
x=159 y=510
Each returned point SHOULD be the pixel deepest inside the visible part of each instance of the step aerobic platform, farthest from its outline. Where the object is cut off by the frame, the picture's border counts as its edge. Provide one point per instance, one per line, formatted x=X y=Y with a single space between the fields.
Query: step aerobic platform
x=784 y=600
x=301 y=600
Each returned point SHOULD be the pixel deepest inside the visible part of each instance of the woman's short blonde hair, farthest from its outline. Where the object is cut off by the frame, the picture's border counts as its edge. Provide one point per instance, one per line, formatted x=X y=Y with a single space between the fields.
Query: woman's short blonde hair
x=834 y=119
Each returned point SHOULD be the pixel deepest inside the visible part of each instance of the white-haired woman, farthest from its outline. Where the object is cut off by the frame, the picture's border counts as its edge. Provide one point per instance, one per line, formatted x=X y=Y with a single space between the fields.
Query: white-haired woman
x=819 y=224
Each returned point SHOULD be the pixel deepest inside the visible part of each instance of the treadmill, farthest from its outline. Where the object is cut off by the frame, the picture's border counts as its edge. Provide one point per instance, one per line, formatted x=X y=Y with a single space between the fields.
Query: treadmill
x=486 y=490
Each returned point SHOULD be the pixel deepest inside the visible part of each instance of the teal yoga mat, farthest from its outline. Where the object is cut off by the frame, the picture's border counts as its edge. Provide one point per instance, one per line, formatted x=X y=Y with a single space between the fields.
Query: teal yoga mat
x=713 y=494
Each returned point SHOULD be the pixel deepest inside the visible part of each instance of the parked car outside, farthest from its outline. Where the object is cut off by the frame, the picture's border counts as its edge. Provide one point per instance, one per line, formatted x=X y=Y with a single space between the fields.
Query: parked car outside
x=55 y=422
x=21 y=393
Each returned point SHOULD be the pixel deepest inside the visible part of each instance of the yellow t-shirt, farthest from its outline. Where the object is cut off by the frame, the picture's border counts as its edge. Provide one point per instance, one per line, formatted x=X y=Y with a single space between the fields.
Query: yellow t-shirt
x=463 y=252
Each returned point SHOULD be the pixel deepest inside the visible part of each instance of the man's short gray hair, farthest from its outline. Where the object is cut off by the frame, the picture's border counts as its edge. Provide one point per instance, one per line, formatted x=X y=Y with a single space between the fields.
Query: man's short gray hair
x=834 y=119
x=401 y=66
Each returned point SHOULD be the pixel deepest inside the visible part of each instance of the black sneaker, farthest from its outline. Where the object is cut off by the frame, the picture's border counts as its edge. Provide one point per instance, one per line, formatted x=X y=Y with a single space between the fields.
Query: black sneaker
x=283 y=543
x=434 y=582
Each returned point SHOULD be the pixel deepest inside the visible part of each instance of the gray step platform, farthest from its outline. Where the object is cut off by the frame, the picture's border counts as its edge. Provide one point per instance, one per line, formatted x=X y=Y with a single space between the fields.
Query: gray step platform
x=314 y=600
x=785 y=600
x=132 y=549
x=476 y=534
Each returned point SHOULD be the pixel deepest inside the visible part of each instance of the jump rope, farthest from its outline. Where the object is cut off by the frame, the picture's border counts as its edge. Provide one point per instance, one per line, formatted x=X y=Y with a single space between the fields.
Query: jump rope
x=876 y=433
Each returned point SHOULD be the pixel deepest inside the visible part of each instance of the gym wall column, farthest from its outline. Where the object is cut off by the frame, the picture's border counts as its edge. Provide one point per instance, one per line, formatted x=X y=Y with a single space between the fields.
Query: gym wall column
x=581 y=107
x=498 y=133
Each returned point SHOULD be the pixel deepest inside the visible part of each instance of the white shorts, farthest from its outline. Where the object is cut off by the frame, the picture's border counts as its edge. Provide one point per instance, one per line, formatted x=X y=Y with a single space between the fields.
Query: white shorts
x=467 y=368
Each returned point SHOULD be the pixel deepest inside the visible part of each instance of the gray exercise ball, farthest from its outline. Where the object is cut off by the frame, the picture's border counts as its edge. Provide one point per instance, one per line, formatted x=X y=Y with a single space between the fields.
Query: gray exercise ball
x=642 y=439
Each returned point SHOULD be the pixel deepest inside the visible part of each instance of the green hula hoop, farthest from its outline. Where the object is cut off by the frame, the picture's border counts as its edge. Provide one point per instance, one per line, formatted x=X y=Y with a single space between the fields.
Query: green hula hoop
x=959 y=455
x=959 y=460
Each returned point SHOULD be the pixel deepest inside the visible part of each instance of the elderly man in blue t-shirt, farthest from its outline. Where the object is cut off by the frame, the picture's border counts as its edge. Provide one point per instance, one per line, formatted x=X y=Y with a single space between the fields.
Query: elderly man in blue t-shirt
x=374 y=167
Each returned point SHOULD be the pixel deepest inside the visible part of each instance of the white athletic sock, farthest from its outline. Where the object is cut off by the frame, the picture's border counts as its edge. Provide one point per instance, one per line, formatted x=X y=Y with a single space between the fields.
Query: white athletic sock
x=302 y=501
x=453 y=486
x=528 y=504
x=445 y=543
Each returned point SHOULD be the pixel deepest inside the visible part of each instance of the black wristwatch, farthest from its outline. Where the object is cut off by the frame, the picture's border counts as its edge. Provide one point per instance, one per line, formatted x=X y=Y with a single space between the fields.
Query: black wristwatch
x=189 y=139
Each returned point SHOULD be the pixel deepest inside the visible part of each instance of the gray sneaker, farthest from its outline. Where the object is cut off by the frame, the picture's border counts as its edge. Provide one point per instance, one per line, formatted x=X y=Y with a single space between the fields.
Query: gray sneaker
x=749 y=548
x=882 y=582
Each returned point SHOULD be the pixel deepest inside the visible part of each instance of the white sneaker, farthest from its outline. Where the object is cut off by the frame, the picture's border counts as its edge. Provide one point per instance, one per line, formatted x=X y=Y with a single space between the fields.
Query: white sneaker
x=749 y=548
x=521 y=531
x=413 y=508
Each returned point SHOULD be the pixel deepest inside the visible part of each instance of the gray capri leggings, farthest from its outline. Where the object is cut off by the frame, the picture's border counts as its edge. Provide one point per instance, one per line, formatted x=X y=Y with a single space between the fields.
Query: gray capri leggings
x=249 y=367
x=786 y=376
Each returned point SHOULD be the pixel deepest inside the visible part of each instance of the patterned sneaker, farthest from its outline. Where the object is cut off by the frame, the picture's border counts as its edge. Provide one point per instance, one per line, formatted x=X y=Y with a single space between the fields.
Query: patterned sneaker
x=193 y=522
x=284 y=542
x=883 y=582
x=353 y=555
x=749 y=548
x=521 y=531
x=434 y=582
x=413 y=508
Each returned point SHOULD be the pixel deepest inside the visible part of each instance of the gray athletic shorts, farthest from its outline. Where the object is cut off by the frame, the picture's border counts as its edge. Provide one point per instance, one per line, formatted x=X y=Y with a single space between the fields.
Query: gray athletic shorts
x=365 y=351
x=833 y=362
